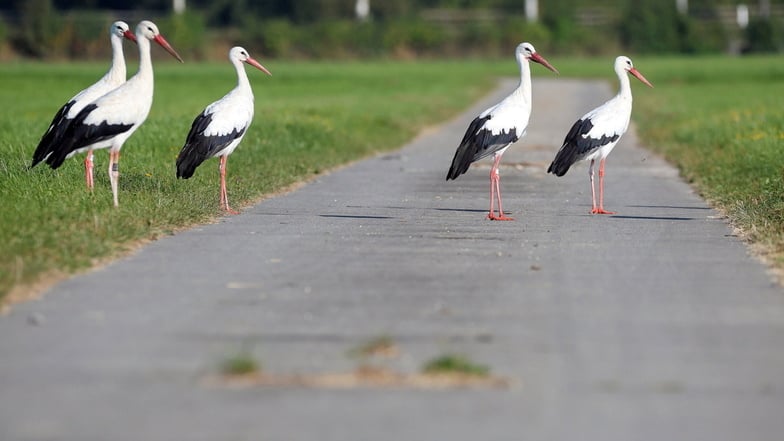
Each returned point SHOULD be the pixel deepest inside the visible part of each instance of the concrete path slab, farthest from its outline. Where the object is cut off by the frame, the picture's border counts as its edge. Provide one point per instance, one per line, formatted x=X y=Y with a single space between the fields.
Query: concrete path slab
x=652 y=324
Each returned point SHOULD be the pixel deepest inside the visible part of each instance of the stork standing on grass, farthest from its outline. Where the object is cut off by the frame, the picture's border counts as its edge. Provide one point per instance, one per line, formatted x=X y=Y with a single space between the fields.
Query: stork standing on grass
x=63 y=118
x=111 y=119
x=218 y=130
x=594 y=135
x=495 y=129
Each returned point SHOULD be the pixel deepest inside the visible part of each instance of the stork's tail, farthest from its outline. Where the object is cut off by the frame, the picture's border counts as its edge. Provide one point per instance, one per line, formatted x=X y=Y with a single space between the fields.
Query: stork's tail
x=566 y=156
x=559 y=166
x=187 y=162
x=54 y=134
x=457 y=168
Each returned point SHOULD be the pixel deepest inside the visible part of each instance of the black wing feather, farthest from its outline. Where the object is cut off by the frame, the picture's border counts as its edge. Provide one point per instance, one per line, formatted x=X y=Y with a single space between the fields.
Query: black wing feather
x=53 y=134
x=577 y=146
x=478 y=142
x=198 y=147
x=79 y=135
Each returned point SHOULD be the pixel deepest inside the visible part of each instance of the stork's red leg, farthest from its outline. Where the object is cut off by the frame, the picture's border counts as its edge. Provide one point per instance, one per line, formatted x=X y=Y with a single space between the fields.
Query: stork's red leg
x=495 y=190
x=601 y=209
x=501 y=216
x=491 y=213
x=224 y=195
x=88 y=169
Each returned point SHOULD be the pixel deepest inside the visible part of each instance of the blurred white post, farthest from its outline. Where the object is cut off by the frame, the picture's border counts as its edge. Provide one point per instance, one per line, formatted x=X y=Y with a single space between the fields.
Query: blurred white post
x=178 y=6
x=742 y=15
x=682 y=6
x=532 y=10
x=362 y=9
x=764 y=9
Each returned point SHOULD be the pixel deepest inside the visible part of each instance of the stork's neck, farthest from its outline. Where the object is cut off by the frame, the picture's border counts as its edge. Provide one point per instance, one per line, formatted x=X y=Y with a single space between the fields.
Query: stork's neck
x=145 y=61
x=524 y=88
x=625 y=90
x=116 y=74
x=242 y=77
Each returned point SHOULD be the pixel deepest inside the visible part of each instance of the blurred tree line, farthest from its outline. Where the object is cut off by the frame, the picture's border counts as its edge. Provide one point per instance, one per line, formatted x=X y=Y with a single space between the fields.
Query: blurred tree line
x=400 y=28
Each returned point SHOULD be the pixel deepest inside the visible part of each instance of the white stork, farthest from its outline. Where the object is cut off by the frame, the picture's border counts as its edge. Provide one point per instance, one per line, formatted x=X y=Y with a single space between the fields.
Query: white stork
x=218 y=130
x=113 y=79
x=495 y=129
x=594 y=135
x=111 y=119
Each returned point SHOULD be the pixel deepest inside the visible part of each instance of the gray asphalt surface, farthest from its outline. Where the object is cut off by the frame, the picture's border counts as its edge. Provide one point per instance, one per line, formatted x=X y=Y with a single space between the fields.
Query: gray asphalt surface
x=653 y=324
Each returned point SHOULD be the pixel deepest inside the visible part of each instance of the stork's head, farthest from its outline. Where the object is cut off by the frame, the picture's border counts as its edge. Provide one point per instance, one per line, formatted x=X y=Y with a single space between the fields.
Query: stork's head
x=526 y=51
x=147 y=29
x=122 y=30
x=240 y=54
x=624 y=64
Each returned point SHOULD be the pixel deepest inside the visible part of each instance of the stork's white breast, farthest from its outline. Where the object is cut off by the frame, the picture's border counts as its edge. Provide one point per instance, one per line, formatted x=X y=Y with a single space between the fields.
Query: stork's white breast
x=609 y=119
x=506 y=116
x=233 y=112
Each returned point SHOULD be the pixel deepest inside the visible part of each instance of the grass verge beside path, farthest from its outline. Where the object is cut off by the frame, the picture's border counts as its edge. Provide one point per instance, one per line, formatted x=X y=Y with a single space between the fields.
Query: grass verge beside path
x=309 y=117
x=721 y=121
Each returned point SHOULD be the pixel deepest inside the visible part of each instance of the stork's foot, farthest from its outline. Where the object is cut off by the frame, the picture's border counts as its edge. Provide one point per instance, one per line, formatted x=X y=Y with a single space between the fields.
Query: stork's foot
x=500 y=217
x=601 y=211
x=229 y=210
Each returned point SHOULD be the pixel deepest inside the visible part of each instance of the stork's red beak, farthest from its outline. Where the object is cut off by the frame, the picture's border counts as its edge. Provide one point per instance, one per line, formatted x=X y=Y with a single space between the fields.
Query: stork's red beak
x=540 y=59
x=165 y=44
x=257 y=65
x=639 y=76
x=129 y=35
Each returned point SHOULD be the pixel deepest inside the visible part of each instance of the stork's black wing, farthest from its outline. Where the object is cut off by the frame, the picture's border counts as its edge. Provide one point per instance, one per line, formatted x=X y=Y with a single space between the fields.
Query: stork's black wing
x=199 y=147
x=53 y=134
x=479 y=142
x=577 y=146
x=79 y=135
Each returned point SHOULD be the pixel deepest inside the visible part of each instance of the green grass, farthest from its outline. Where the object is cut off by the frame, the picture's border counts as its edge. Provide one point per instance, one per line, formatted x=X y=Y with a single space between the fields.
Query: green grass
x=309 y=117
x=240 y=364
x=455 y=364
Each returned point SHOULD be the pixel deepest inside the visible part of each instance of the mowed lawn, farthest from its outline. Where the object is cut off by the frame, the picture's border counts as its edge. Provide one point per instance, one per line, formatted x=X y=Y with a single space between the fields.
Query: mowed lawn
x=719 y=119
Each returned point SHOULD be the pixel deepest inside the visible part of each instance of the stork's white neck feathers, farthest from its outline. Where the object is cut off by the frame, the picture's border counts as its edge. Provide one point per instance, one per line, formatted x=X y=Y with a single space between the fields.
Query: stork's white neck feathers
x=145 y=61
x=242 y=77
x=116 y=73
x=523 y=90
x=625 y=91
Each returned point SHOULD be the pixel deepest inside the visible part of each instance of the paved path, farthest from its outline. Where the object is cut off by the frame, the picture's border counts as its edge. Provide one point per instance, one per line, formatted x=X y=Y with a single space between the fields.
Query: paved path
x=653 y=324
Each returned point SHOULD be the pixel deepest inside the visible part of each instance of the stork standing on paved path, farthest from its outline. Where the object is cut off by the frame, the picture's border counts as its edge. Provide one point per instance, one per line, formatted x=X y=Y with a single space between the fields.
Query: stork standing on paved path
x=218 y=130
x=594 y=135
x=495 y=129
x=111 y=119
x=63 y=118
